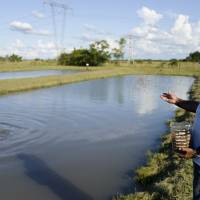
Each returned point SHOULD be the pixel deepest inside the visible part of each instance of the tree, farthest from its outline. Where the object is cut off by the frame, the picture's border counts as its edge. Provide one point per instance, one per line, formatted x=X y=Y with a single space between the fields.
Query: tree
x=122 y=44
x=101 y=46
x=80 y=57
x=119 y=52
x=14 y=58
x=96 y=54
x=173 y=63
x=194 y=57
x=64 y=59
x=99 y=52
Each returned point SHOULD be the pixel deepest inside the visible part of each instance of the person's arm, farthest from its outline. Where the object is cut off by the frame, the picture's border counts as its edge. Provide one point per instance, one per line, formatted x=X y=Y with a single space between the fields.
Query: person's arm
x=188 y=105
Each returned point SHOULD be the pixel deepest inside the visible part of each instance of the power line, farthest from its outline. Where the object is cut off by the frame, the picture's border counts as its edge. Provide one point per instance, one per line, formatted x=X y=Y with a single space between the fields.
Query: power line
x=62 y=8
x=63 y=28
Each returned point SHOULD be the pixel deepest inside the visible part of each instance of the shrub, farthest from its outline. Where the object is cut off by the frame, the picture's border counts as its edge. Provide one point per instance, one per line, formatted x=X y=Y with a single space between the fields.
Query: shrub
x=97 y=54
x=174 y=63
x=15 y=58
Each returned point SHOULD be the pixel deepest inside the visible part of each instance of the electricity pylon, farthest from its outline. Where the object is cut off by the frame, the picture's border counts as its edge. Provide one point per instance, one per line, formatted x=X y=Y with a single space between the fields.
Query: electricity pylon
x=62 y=8
x=130 y=38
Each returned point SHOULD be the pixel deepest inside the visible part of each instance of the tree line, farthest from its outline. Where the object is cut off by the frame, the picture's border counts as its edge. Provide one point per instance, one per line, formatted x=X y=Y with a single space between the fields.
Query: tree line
x=11 y=58
x=97 y=54
x=193 y=57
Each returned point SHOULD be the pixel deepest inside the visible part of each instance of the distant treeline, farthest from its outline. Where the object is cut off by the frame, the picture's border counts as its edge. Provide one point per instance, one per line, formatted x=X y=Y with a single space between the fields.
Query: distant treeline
x=11 y=58
x=98 y=53
x=193 y=57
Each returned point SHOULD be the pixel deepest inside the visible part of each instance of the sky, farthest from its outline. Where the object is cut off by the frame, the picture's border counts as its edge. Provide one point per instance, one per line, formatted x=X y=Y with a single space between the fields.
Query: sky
x=161 y=29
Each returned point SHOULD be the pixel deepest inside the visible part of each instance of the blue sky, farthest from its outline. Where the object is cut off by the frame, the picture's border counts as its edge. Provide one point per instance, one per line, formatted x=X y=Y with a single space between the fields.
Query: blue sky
x=161 y=29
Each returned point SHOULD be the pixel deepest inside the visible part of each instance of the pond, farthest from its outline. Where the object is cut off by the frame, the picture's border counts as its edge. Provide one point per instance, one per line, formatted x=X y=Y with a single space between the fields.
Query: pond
x=82 y=141
x=32 y=74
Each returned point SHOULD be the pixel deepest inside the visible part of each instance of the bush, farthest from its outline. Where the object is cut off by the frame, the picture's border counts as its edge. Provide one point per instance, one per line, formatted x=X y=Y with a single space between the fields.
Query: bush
x=194 y=57
x=2 y=58
x=139 y=61
x=173 y=62
x=96 y=55
x=15 y=58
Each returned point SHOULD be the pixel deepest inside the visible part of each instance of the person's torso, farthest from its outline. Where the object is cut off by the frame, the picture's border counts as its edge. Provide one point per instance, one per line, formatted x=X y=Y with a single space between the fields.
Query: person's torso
x=196 y=134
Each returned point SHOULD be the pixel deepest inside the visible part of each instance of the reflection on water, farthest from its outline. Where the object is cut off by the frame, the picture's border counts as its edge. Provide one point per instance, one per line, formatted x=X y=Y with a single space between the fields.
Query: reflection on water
x=38 y=171
x=81 y=139
x=32 y=74
x=145 y=92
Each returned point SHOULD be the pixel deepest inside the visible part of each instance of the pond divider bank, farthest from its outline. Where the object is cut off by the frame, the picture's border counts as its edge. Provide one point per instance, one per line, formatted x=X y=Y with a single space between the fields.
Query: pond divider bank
x=166 y=176
x=9 y=86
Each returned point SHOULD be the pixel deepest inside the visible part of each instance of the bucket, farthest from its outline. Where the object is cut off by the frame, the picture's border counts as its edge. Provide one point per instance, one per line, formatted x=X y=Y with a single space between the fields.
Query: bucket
x=181 y=135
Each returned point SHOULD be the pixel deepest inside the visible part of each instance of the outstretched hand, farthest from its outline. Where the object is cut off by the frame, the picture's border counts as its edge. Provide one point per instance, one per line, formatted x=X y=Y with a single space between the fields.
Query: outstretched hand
x=169 y=98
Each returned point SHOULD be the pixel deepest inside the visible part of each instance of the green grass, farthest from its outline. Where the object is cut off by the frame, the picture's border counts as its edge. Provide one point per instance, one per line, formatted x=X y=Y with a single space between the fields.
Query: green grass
x=34 y=65
x=166 y=176
x=91 y=73
x=144 y=67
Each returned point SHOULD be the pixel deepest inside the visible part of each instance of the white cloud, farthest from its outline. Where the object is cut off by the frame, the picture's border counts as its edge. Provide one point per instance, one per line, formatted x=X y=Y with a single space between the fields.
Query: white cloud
x=40 y=49
x=41 y=32
x=88 y=38
x=149 y=40
x=21 y=26
x=38 y=14
x=92 y=33
x=113 y=43
x=152 y=41
x=182 y=29
x=149 y=16
x=46 y=46
x=18 y=44
x=27 y=28
x=147 y=46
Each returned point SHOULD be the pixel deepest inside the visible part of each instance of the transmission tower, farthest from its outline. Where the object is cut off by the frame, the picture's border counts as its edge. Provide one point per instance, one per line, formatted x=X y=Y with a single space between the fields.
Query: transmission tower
x=59 y=37
x=131 y=47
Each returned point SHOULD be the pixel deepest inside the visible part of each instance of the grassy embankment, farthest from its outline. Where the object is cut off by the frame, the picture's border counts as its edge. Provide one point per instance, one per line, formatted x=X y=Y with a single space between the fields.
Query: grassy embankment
x=166 y=176
x=90 y=73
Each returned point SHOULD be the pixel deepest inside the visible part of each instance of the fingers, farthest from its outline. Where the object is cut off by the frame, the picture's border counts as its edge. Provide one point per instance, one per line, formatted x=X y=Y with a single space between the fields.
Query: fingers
x=165 y=98
x=166 y=95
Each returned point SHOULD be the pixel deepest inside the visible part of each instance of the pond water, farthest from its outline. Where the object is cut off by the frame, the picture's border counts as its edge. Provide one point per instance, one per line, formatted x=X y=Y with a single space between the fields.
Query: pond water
x=32 y=74
x=81 y=141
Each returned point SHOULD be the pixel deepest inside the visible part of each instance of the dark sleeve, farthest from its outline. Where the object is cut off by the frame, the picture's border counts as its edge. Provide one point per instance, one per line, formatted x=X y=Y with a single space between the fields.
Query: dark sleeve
x=190 y=106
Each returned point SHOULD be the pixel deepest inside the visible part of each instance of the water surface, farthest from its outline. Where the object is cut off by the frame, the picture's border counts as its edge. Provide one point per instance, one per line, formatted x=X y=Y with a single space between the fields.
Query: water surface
x=32 y=74
x=81 y=141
